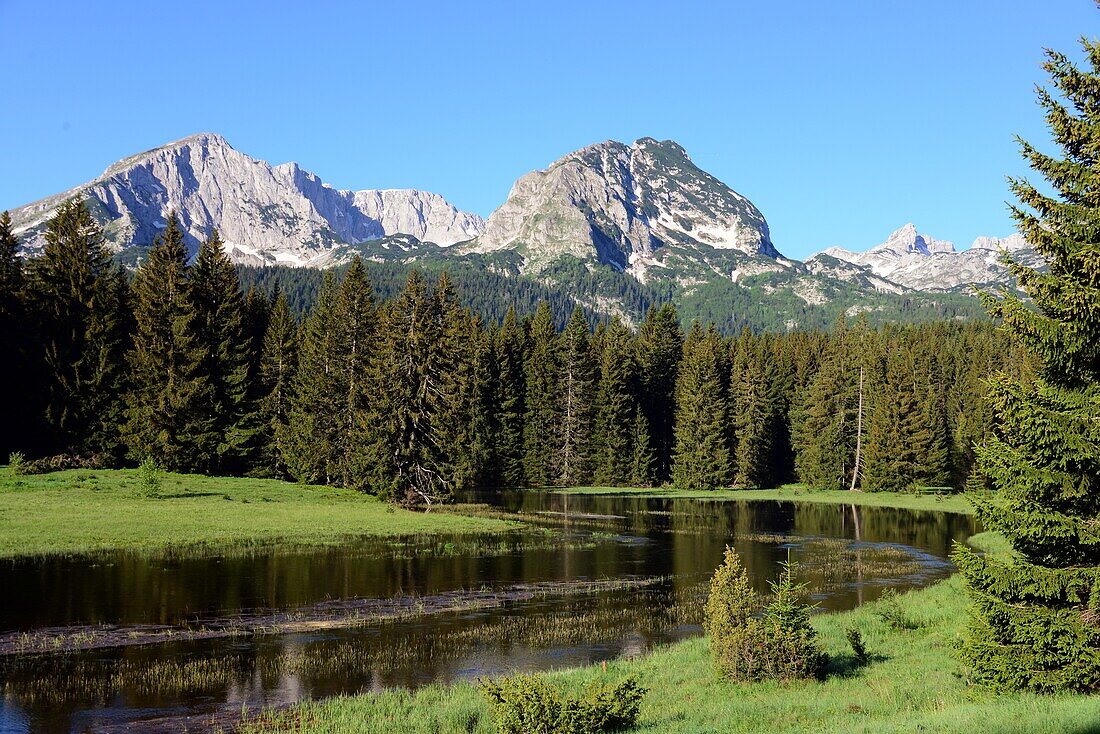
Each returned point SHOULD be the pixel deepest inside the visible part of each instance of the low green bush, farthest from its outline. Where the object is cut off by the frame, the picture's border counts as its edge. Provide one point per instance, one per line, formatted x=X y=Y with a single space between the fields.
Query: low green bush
x=859 y=649
x=527 y=704
x=149 y=478
x=60 y=462
x=892 y=614
x=779 y=644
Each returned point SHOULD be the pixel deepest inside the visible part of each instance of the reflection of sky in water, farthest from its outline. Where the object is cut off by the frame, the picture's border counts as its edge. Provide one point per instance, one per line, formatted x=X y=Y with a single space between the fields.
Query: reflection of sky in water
x=848 y=556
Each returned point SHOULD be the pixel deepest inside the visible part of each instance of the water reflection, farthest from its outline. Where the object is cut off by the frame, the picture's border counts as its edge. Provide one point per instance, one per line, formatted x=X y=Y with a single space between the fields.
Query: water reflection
x=849 y=554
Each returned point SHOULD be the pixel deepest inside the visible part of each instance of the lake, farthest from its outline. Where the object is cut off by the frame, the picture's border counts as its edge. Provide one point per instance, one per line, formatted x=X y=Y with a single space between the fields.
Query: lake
x=124 y=641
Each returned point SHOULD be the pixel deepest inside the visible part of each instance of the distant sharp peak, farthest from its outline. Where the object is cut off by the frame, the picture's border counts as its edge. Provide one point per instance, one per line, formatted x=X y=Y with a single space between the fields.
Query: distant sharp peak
x=906 y=240
x=204 y=140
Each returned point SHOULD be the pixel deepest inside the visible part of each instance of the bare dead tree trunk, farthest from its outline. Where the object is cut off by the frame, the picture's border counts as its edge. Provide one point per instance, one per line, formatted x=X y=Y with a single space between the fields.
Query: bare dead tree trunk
x=859 y=433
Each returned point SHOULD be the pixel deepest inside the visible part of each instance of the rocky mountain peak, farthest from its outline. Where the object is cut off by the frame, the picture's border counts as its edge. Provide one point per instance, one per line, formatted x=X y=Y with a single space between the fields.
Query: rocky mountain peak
x=906 y=240
x=265 y=214
x=625 y=206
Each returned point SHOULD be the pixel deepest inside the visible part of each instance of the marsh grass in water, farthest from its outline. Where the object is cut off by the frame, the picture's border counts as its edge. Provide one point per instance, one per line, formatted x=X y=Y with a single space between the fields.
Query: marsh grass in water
x=911 y=682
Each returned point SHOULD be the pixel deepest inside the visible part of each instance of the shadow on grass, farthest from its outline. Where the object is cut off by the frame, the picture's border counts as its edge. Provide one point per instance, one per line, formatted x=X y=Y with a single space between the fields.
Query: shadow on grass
x=187 y=495
x=848 y=665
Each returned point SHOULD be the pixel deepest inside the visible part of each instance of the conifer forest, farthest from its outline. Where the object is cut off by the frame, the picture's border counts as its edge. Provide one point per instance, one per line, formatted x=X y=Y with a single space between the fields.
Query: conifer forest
x=415 y=397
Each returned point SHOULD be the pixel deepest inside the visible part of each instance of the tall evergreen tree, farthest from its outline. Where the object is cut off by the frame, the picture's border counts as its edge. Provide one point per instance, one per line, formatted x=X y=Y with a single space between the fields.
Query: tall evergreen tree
x=276 y=378
x=702 y=456
x=1035 y=617
x=642 y=464
x=540 y=425
x=219 y=335
x=352 y=346
x=576 y=386
x=313 y=445
x=824 y=430
x=508 y=404
x=80 y=332
x=752 y=416
x=613 y=449
x=660 y=349
x=894 y=421
x=415 y=371
x=167 y=416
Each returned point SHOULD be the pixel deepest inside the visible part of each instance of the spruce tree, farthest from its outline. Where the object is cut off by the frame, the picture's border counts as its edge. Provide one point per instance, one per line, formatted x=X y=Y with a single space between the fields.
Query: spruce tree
x=824 y=428
x=80 y=334
x=276 y=378
x=411 y=460
x=313 y=446
x=643 y=462
x=660 y=349
x=540 y=424
x=702 y=457
x=615 y=425
x=509 y=390
x=351 y=351
x=219 y=335
x=576 y=390
x=1035 y=616
x=168 y=419
x=752 y=416
x=890 y=459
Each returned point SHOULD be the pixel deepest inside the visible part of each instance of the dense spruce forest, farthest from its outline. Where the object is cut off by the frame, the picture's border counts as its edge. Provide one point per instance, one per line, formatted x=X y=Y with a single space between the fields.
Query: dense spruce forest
x=409 y=395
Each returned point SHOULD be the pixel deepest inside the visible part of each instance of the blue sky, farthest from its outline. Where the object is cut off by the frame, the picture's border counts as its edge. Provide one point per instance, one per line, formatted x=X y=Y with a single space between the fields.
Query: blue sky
x=841 y=121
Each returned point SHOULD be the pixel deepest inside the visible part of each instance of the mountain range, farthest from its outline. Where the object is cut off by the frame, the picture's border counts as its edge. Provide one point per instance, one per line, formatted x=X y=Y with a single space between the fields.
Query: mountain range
x=642 y=211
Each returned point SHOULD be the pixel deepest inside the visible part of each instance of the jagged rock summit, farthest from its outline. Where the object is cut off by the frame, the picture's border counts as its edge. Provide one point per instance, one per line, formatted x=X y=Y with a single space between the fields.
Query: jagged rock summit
x=265 y=214
x=921 y=262
x=627 y=206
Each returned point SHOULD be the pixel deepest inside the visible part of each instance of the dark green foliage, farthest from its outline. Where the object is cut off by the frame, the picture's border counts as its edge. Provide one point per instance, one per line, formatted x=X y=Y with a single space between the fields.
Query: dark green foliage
x=824 y=429
x=540 y=429
x=219 y=334
x=527 y=704
x=753 y=413
x=643 y=462
x=779 y=645
x=576 y=393
x=275 y=389
x=660 y=349
x=167 y=417
x=80 y=331
x=614 y=452
x=312 y=454
x=428 y=434
x=702 y=455
x=859 y=648
x=508 y=404
x=1035 y=616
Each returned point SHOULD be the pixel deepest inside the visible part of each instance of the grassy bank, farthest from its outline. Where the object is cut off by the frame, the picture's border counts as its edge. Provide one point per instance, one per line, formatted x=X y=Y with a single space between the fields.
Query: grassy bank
x=86 y=511
x=799 y=493
x=911 y=684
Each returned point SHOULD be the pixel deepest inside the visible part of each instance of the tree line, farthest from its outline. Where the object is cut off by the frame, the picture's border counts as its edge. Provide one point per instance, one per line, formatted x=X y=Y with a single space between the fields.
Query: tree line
x=414 y=397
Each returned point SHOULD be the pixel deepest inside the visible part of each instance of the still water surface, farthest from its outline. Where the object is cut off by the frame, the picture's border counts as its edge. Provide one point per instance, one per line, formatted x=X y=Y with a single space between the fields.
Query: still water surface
x=652 y=557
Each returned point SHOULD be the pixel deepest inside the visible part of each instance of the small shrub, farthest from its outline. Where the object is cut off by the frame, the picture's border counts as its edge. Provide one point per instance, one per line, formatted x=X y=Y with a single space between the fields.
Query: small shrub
x=859 y=650
x=16 y=460
x=527 y=704
x=889 y=610
x=149 y=478
x=61 y=462
x=780 y=644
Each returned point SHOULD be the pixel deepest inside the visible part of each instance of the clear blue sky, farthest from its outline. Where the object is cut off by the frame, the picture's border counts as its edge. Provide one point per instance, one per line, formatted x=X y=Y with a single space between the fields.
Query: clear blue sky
x=840 y=120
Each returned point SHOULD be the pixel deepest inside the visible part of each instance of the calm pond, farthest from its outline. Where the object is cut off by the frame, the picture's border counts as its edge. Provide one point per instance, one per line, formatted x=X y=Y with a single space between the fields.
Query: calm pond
x=139 y=642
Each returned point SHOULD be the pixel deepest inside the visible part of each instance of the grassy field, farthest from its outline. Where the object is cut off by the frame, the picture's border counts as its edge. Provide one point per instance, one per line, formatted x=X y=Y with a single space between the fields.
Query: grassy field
x=85 y=511
x=911 y=684
x=799 y=493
